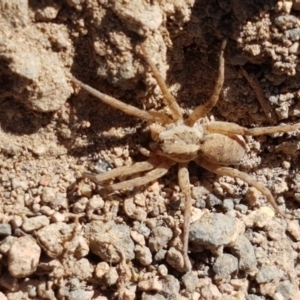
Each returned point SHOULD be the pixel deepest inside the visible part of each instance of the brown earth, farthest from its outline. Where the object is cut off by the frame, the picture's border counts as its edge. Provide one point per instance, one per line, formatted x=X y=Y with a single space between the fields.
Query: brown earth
x=60 y=238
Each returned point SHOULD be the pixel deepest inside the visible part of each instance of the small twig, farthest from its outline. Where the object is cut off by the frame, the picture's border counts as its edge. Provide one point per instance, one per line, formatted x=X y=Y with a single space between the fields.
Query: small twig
x=265 y=104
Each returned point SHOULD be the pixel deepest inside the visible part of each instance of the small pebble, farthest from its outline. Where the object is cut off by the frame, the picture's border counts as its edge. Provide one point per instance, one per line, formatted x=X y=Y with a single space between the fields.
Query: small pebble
x=111 y=277
x=16 y=221
x=190 y=281
x=107 y=240
x=138 y=238
x=294 y=229
x=175 y=259
x=225 y=265
x=23 y=257
x=57 y=217
x=228 y=204
x=244 y=250
x=143 y=254
x=18 y=183
x=35 y=223
x=86 y=190
x=160 y=238
x=101 y=269
x=162 y=270
x=153 y=285
x=48 y=195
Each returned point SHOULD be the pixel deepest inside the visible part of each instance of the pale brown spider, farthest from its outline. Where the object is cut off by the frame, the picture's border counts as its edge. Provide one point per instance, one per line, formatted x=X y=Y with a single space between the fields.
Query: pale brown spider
x=176 y=140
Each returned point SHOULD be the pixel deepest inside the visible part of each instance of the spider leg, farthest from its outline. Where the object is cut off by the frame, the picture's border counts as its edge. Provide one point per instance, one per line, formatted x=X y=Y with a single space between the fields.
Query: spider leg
x=203 y=109
x=122 y=171
x=184 y=183
x=232 y=128
x=226 y=171
x=169 y=98
x=160 y=117
x=126 y=108
x=158 y=171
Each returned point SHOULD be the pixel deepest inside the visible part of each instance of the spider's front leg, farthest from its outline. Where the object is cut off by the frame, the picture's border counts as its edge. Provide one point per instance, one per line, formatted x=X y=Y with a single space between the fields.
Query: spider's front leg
x=234 y=129
x=157 y=167
x=203 y=109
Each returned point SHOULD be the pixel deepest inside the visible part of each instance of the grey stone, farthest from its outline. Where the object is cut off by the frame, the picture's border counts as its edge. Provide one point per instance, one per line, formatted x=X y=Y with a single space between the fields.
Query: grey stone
x=190 y=281
x=171 y=287
x=242 y=208
x=225 y=265
x=286 y=21
x=160 y=255
x=211 y=231
x=267 y=274
x=212 y=201
x=5 y=229
x=244 y=250
x=292 y=34
x=254 y=297
x=228 y=204
x=285 y=288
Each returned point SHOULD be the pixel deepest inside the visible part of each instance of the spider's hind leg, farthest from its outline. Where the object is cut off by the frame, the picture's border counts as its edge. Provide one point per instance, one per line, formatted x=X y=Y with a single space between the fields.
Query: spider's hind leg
x=184 y=183
x=227 y=171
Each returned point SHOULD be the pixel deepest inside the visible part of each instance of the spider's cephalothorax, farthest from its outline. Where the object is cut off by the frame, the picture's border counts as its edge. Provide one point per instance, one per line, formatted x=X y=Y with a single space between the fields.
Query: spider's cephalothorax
x=180 y=143
x=213 y=146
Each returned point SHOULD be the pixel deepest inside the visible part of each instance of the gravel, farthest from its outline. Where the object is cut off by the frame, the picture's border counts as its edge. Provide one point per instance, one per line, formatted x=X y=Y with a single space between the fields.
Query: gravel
x=62 y=236
x=110 y=241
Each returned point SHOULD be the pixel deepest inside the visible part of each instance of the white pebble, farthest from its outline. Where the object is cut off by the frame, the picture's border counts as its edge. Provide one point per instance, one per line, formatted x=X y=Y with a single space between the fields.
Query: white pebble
x=48 y=195
x=143 y=254
x=294 y=229
x=18 y=183
x=101 y=269
x=162 y=270
x=57 y=217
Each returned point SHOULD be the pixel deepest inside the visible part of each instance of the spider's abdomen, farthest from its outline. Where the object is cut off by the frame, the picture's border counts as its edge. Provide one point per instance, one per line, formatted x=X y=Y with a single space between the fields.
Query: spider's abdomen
x=223 y=149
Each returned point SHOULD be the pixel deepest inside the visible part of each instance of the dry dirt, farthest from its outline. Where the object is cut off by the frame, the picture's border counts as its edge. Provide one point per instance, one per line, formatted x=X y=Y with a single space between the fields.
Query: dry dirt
x=63 y=238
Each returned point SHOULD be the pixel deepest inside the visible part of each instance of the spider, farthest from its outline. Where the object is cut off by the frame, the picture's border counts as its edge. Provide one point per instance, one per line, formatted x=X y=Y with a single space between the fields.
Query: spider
x=214 y=146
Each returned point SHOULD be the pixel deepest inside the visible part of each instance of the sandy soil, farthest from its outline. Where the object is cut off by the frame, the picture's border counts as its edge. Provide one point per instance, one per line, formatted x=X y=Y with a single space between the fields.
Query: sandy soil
x=63 y=238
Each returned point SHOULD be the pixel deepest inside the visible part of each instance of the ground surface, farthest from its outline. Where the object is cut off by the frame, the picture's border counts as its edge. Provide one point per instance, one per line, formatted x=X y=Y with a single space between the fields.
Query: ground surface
x=61 y=238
